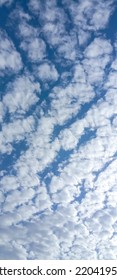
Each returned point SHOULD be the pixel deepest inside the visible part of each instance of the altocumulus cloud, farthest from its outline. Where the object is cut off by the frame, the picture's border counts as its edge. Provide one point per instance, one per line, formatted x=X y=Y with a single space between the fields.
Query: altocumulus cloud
x=58 y=138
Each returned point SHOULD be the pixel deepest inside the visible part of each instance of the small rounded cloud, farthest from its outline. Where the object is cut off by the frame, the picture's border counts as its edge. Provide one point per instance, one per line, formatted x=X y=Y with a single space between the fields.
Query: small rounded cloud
x=47 y=72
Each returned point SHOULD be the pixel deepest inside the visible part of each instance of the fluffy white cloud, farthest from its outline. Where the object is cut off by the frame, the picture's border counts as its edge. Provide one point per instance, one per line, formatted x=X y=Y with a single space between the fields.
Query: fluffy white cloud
x=9 y=183
x=16 y=198
x=21 y=94
x=26 y=31
x=47 y=72
x=67 y=101
x=90 y=15
x=10 y=59
x=101 y=15
x=98 y=47
x=35 y=48
x=17 y=130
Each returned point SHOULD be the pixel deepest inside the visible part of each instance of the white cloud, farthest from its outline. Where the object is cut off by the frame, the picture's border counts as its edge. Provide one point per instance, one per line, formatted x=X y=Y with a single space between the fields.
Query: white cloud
x=12 y=251
x=9 y=183
x=35 y=48
x=90 y=15
x=21 y=94
x=101 y=14
x=67 y=48
x=42 y=200
x=16 y=198
x=50 y=10
x=2 y=113
x=67 y=139
x=83 y=37
x=95 y=68
x=35 y=6
x=26 y=31
x=56 y=34
x=17 y=130
x=114 y=65
x=5 y=2
x=47 y=72
x=66 y=101
x=111 y=82
x=1 y=197
x=97 y=48
x=10 y=59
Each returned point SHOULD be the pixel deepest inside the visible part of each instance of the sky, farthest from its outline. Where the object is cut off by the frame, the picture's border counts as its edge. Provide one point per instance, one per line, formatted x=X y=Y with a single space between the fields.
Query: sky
x=58 y=129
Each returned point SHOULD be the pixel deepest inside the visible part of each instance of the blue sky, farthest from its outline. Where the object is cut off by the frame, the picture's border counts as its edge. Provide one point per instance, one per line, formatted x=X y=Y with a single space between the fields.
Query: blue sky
x=58 y=138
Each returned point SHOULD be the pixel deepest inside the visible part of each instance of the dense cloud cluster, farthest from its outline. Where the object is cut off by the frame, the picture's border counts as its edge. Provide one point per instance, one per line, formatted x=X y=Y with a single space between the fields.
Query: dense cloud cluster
x=58 y=139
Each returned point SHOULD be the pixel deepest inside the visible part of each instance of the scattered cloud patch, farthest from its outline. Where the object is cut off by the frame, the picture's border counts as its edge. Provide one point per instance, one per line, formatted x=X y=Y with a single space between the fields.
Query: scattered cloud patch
x=5 y=2
x=35 y=49
x=47 y=72
x=10 y=59
x=21 y=94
